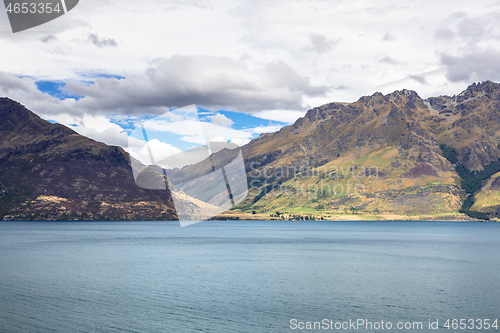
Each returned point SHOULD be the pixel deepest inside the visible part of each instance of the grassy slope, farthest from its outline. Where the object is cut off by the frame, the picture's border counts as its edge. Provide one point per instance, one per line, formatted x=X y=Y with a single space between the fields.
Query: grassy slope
x=488 y=198
x=364 y=184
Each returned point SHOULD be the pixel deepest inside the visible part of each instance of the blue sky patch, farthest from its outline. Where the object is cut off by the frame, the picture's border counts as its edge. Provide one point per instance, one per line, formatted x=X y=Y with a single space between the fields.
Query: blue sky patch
x=55 y=89
x=241 y=120
x=101 y=75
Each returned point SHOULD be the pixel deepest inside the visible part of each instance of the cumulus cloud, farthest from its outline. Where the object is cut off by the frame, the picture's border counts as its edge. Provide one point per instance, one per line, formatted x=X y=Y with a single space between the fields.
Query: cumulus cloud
x=462 y=27
x=388 y=60
x=478 y=65
x=468 y=45
x=101 y=42
x=150 y=6
x=220 y=119
x=289 y=61
x=320 y=43
x=286 y=116
x=97 y=127
x=182 y=123
x=142 y=152
x=389 y=37
x=25 y=91
x=48 y=38
x=266 y=129
x=192 y=131
x=100 y=128
x=211 y=82
x=419 y=78
x=445 y=34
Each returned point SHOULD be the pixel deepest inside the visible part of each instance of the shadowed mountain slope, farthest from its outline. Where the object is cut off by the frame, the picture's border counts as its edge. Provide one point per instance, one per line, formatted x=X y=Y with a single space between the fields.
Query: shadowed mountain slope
x=49 y=172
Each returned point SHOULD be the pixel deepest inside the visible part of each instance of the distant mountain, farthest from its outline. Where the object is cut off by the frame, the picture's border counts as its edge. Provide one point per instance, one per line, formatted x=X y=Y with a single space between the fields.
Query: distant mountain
x=49 y=172
x=408 y=156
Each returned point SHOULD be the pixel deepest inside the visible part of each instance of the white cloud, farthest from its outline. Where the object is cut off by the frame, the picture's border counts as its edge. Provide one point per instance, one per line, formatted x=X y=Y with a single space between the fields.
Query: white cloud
x=470 y=46
x=220 y=119
x=218 y=138
x=285 y=116
x=99 y=128
x=211 y=82
x=320 y=43
x=266 y=129
x=102 y=42
x=477 y=65
x=212 y=53
x=154 y=148
x=224 y=133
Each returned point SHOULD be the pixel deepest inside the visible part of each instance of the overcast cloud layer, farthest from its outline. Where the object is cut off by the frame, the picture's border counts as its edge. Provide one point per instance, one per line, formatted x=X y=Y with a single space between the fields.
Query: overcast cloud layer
x=272 y=59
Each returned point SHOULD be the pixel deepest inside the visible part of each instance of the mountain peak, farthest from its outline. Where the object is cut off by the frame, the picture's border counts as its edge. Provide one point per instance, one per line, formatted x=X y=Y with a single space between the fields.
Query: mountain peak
x=404 y=92
x=395 y=94
x=14 y=115
x=48 y=172
x=483 y=85
x=7 y=104
x=486 y=88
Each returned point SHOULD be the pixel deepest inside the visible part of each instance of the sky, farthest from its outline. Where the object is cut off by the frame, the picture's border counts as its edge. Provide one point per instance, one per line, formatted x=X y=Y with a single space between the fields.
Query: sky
x=250 y=66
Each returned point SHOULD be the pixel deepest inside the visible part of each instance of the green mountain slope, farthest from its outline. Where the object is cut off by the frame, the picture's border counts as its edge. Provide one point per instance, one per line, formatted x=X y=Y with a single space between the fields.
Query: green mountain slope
x=487 y=199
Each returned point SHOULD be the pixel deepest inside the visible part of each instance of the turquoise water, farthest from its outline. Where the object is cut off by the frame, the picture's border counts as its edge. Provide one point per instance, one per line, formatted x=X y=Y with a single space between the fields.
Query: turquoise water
x=244 y=276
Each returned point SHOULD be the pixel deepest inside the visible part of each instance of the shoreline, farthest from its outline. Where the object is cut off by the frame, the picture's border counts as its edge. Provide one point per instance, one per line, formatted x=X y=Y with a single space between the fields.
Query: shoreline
x=333 y=216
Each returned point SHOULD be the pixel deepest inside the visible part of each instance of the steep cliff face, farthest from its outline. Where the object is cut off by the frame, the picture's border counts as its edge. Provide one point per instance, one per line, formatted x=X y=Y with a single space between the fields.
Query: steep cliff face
x=473 y=123
x=49 y=172
x=401 y=134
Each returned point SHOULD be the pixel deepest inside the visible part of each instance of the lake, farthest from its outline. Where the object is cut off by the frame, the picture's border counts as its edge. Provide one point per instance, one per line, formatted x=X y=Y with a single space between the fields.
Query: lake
x=246 y=276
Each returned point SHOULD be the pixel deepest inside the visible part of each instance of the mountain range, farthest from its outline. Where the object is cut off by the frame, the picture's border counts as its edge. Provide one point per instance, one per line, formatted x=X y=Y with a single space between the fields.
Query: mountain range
x=394 y=156
x=409 y=158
